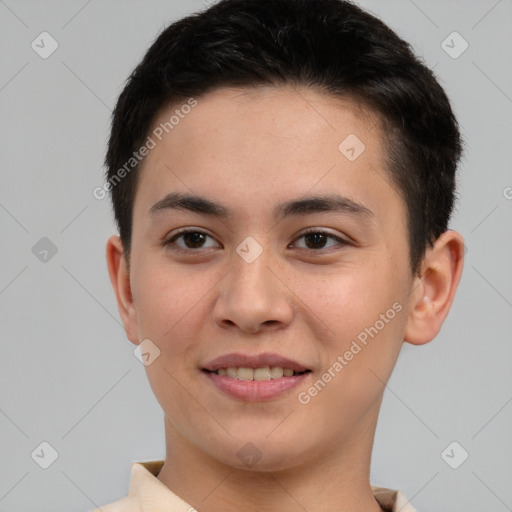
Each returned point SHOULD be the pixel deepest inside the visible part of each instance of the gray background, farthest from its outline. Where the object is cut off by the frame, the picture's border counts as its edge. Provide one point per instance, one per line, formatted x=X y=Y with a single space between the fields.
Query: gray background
x=68 y=375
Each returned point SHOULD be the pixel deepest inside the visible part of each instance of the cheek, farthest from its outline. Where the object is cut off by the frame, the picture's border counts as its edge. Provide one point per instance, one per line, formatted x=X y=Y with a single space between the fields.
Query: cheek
x=364 y=318
x=171 y=312
x=345 y=301
x=167 y=300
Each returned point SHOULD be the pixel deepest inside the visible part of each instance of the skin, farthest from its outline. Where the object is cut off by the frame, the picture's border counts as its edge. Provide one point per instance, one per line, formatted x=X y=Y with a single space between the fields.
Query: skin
x=251 y=149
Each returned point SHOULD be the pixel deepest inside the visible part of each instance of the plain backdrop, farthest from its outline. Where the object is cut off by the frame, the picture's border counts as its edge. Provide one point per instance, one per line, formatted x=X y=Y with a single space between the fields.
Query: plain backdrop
x=68 y=375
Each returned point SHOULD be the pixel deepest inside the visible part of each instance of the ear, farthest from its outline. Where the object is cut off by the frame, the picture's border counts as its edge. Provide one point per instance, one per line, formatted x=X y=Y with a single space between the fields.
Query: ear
x=434 y=289
x=120 y=279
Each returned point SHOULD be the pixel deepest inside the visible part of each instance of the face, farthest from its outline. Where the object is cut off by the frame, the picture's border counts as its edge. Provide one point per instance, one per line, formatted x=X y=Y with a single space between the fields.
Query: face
x=297 y=258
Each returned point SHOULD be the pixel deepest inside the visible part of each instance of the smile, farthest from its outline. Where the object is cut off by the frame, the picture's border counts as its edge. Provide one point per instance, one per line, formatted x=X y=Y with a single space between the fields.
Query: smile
x=254 y=377
x=259 y=374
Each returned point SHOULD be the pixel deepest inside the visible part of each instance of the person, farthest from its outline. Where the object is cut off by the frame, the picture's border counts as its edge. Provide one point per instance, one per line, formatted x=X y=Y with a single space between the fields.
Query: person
x=282 y=174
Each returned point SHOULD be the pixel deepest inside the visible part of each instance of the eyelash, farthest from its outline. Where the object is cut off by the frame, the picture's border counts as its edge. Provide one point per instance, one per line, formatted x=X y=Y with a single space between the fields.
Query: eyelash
x=171 y=241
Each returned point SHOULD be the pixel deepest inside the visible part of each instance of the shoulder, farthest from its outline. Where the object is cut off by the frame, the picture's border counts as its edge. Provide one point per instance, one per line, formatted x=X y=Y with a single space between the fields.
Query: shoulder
x=393 y=500
x=125 y=504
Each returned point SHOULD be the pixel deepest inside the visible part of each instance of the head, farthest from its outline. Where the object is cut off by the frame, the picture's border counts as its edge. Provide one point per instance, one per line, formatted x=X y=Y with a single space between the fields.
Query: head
x=336 y=48
x=268 y=110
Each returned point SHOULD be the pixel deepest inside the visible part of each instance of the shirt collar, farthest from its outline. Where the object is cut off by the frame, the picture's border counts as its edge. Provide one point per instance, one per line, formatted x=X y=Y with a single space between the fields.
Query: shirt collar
x=153 y=496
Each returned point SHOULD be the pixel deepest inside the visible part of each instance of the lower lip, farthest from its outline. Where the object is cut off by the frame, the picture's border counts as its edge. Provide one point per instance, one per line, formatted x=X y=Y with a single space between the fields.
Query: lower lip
x=255 y=390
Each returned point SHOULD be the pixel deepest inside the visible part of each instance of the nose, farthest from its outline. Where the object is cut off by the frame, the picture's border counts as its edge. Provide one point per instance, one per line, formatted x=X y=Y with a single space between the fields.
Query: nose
x=254 y=296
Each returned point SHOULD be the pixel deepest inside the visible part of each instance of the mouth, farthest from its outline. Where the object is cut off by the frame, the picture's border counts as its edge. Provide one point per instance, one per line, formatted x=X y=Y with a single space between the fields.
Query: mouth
x=260 y=374
x=254 y=378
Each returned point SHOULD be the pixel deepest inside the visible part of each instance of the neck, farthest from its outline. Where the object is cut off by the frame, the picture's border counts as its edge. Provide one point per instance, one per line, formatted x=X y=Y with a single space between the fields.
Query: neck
x=337 y=481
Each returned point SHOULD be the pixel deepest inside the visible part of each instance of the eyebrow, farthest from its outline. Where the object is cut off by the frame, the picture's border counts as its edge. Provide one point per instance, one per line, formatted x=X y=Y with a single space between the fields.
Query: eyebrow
x=303 y=206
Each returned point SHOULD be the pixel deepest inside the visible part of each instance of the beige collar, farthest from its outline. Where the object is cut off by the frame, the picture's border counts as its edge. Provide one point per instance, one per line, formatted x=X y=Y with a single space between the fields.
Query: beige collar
x=153 y=496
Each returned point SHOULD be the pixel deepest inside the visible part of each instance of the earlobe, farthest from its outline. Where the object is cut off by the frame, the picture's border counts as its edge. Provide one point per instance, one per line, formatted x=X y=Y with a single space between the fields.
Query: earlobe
x=433 y=291
x=120 y=279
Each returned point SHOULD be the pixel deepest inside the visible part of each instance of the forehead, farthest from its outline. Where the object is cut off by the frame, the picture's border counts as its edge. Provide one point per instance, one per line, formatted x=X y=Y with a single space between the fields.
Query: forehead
x=262 y=142
x=284 y=111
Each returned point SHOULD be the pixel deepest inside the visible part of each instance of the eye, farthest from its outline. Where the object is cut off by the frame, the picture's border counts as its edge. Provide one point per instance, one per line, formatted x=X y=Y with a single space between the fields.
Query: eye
x=192 y=238
x=195 y=239
x=317 y=239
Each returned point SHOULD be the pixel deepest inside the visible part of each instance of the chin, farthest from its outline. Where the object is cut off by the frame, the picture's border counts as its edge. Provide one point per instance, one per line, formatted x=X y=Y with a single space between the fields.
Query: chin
x=261 y=455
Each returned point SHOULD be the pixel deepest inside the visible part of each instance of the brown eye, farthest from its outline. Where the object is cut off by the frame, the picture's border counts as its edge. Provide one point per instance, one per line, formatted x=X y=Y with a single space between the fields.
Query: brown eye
x=316 y=240
x=192 y=239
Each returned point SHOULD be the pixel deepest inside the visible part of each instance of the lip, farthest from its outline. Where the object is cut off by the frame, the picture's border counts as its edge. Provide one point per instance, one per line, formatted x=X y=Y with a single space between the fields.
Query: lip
x=254 y=390
x=237 y=360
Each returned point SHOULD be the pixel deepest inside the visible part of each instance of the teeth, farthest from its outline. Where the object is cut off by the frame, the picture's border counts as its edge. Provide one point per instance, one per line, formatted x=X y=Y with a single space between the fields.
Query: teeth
x=245 y=373
x=276 y=372
x=263 y=373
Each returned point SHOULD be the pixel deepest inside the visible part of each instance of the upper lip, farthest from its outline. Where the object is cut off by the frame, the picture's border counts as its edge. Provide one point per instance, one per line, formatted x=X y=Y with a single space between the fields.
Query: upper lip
x=237 y=360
